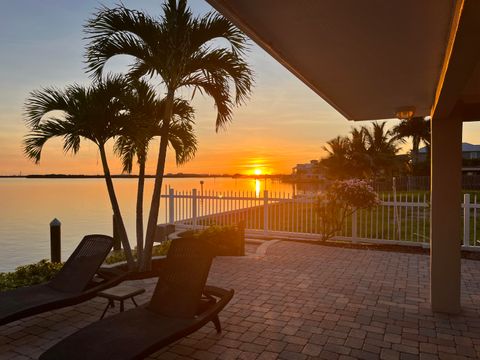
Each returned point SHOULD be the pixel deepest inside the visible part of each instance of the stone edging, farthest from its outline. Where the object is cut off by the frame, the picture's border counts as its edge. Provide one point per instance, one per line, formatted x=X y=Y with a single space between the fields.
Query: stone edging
x=261 y=250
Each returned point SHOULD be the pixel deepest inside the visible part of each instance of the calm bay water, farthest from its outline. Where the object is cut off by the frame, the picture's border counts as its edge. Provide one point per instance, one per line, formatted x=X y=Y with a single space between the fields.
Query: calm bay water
x=82 y=206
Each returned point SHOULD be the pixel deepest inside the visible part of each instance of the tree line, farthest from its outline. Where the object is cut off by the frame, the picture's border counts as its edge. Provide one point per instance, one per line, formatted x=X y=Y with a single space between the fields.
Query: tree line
x=371 y=152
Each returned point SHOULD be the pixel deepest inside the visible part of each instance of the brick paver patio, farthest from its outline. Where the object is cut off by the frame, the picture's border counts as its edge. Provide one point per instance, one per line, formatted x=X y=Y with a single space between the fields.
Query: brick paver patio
x=302 y=301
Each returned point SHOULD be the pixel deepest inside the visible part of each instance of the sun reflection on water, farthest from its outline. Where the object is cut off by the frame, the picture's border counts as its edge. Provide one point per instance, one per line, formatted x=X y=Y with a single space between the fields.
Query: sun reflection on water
x=257 y=187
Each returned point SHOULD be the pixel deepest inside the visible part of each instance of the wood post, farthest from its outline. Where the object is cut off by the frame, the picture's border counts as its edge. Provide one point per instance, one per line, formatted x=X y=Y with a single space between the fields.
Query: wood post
x=171 y=206
x=55 y=240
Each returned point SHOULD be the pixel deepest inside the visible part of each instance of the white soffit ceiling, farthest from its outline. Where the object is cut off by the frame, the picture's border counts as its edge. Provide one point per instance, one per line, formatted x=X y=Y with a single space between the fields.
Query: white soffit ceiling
x=366 y=58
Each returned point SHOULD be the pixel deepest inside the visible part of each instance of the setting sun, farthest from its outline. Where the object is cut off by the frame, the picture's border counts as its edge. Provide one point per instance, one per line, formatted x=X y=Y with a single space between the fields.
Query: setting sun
x=257 y=171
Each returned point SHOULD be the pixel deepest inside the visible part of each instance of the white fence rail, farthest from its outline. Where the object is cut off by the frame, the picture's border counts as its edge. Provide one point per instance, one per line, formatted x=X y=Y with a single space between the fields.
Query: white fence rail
x=404 y=219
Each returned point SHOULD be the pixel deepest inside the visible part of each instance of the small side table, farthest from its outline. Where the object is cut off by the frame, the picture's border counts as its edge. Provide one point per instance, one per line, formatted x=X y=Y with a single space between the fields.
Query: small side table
x=119 y=293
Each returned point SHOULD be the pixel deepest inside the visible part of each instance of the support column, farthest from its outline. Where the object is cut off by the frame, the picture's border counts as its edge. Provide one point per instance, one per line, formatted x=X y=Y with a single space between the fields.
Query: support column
x=445 y=224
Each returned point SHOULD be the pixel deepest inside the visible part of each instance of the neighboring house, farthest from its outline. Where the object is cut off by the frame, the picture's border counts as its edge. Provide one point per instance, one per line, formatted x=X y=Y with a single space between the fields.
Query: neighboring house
x=469 y=151
x=307 y=172
x=470 y=155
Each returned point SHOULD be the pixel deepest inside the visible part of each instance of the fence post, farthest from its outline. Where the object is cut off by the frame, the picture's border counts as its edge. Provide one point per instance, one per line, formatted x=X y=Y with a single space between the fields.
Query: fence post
x=466 y=219
x=55 y=240
x=265 y=211
x=354 y=225
x=117 y=244
x=241 y=234
x=171 y=206
x=194 y=208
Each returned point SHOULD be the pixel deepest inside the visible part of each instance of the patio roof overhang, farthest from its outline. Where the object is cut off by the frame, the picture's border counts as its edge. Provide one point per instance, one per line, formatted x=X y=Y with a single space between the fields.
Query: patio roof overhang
x=370 y=59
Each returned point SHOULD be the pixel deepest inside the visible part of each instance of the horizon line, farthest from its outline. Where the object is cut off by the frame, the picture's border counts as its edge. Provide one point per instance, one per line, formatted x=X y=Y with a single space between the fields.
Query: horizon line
x=169 y=175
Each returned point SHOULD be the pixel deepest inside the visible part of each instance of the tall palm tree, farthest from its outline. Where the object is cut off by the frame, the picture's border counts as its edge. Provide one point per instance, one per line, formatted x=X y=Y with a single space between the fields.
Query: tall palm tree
x=358 y=142
x=417 y=128
x=177 y=47
x=146 y=114
x=337 y=160
x=339 y=146
x=348 y=157
x=361 y=162
x=382 y=147
x=367 y=152
x=94 y=113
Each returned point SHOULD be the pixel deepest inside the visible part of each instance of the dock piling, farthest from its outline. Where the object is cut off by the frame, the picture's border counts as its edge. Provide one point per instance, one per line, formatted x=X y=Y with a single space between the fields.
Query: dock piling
x=55 y=240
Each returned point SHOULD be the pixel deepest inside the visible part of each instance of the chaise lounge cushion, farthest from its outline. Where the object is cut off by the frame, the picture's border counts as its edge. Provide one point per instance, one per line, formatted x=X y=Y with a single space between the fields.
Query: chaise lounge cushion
x=133 y=334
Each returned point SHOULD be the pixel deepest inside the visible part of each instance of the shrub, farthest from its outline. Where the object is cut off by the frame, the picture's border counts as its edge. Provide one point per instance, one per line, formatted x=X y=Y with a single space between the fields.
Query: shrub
x=340 y=200
x=45 y=270
x=27 y=275
x=227 y=240
x=119 y=255
x=215 y=231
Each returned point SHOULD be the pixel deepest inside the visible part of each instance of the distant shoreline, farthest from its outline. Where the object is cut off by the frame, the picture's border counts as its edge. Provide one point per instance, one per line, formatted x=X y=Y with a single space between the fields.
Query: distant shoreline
x=181 y=176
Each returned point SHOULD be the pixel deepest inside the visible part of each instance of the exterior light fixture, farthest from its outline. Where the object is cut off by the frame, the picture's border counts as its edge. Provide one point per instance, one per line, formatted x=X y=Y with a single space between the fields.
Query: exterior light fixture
x=405 y=113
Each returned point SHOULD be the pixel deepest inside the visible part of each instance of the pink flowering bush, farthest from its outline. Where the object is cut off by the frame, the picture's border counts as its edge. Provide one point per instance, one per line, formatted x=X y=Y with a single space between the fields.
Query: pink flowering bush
x=340 y=200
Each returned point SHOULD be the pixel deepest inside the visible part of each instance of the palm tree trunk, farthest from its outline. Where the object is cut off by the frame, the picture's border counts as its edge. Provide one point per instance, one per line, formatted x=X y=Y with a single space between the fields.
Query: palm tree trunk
x=116 y=210
x=155 y=204
x=140 y=188
x=415 y=148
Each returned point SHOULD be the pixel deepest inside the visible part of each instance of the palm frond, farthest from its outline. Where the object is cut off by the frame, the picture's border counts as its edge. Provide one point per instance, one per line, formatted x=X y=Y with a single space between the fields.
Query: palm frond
x=125 y=148
x=119 y=31
x=220 y=63
x=183 y=140
x=219 y=91
x=106 y=22
x=35 y=140
x=182 y=112
x=213 y=26
x=40 y=102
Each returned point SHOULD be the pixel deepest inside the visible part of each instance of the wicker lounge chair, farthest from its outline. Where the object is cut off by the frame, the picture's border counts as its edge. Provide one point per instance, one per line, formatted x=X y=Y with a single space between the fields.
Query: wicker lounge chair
x=177 y=309
x=79 y=280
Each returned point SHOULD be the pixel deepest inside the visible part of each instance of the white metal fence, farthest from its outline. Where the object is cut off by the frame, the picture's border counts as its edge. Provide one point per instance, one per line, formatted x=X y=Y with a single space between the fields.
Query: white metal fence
x=404 y=219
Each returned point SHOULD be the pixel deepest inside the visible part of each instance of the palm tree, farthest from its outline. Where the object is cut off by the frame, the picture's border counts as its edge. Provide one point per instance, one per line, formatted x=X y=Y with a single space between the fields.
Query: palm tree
x=94 y=113
x=360 y=160
x=381 y=147
x=337 y=161
x=348 y=157
x=339 y=146
x=177 y=47
x=418 y=128
x=364 y=153
x=145 y=123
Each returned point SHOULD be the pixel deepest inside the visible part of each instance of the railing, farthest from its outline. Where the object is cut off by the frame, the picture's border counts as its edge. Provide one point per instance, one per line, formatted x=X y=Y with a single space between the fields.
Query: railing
x=404 y=219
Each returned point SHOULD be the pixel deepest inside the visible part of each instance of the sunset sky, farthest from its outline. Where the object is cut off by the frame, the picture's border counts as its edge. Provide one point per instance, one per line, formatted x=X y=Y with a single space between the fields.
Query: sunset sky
x=284 y=123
